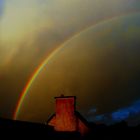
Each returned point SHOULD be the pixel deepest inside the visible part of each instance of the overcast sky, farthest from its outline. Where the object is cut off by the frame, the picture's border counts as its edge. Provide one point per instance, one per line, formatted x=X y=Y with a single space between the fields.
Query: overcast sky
x=31 y=29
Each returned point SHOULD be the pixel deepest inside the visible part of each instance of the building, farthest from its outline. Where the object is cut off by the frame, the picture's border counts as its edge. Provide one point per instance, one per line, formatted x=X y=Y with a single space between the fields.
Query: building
x=66 y=118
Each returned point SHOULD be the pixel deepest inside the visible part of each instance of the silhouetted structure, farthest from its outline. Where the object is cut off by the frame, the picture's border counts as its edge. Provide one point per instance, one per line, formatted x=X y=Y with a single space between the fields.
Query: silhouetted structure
x=13 y=129
x=66 y=118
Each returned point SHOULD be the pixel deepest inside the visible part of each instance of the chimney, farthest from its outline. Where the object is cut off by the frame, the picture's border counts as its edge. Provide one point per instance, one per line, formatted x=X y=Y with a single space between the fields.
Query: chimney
x=66 y=118
x=65 y=113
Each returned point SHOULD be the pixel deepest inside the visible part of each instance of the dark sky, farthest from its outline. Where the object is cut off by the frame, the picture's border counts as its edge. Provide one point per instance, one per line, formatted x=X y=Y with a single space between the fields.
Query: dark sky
x=31 y=30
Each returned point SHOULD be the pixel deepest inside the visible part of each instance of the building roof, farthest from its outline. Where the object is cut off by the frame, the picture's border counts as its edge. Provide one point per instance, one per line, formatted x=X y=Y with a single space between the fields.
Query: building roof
x=62 y=96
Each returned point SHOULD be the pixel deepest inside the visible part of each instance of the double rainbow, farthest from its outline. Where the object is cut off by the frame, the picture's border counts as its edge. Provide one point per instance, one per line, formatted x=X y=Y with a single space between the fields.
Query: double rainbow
x=50 y=56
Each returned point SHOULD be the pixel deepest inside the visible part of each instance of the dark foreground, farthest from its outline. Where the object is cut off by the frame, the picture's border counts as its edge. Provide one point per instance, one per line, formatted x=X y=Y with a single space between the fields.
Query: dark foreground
x=26 y=130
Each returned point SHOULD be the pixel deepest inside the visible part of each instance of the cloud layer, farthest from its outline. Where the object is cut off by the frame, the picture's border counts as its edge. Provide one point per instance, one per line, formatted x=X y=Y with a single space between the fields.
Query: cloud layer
x=31 y=29
x=100 y=66
x=124 y=113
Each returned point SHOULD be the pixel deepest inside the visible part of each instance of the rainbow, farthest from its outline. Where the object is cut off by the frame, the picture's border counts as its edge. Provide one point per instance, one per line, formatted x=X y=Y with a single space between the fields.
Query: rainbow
x=50 y=56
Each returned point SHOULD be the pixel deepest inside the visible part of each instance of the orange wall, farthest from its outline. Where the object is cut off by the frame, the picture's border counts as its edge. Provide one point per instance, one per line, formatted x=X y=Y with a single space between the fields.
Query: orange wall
x=65 y=114
x=82 y=128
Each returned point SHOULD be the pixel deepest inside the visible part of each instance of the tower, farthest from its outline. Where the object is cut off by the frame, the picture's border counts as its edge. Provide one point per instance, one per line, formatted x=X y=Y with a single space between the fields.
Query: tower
x=65 y=114
x=66 y=118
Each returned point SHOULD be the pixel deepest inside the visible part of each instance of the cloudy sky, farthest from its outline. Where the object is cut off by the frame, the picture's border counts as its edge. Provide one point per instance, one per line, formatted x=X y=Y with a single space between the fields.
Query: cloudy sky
x=31 y=29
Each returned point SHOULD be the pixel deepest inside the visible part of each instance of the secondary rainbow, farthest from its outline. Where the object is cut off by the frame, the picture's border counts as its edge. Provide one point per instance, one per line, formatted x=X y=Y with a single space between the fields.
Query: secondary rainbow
x=49 y=57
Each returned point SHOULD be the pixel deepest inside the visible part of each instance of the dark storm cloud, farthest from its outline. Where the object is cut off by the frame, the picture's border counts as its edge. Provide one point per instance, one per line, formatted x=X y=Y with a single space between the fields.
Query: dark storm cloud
x=100 y=67
x=36 y=27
